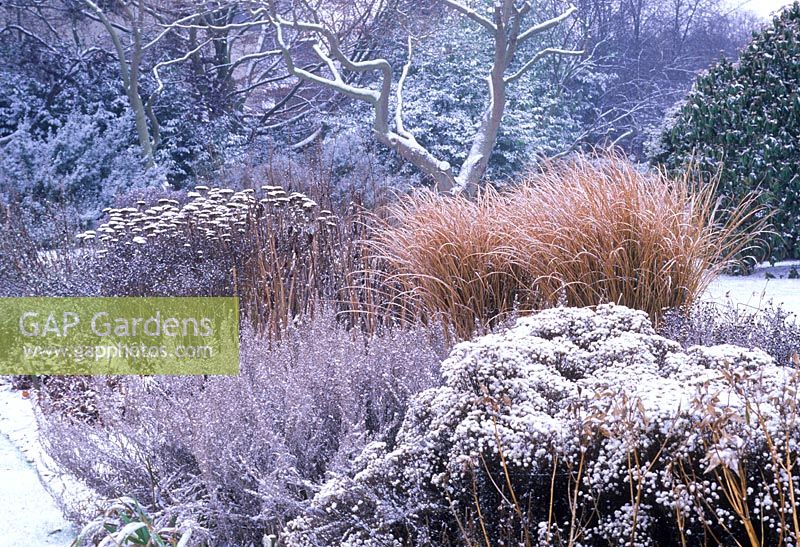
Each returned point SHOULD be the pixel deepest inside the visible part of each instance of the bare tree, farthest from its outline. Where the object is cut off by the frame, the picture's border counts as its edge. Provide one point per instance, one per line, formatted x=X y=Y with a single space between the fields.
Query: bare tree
x=134 y=13
x=649 y=52
x=508 y=28
x=230 y=46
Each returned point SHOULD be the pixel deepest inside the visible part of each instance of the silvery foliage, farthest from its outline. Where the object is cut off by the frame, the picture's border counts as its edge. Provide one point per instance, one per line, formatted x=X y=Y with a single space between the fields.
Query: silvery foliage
x=244 y=454
x=357 y=173
x=68 y=143
x=563 y=390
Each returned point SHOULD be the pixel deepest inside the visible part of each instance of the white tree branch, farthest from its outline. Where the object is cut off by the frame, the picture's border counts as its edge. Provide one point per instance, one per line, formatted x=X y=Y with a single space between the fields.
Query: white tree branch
x=162 y=64
x=328 y=62
x=506 y=33
x=169 y=28
x=472 y=14
x=536 y=58
x=112 y=31
x=398 y=113
x=308 y=140
x=546 y=25
x=336 y=50
x=336 y=84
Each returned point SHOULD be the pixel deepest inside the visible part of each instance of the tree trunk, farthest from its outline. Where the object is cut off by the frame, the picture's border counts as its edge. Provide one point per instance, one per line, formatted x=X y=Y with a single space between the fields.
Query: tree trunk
x=130 y=81
x=474 y=167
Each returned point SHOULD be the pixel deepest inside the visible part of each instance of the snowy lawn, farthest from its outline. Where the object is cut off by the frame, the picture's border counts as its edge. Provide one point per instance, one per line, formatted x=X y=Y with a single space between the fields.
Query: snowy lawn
x=759 y=289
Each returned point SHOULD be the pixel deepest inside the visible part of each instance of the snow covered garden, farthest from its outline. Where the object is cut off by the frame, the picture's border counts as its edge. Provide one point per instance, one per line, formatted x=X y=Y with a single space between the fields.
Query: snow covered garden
x=506 y=273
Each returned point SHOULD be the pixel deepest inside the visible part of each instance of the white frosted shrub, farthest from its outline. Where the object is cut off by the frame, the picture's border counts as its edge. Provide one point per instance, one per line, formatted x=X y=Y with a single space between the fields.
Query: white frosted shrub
x=579 y=427
x=242 y=455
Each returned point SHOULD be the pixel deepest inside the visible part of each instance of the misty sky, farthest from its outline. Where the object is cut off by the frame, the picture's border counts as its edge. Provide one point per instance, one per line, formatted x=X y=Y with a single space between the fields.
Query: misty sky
x=761 y=7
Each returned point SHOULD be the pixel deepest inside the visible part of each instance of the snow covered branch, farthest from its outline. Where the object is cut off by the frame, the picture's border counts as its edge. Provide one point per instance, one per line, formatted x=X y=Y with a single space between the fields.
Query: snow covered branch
x=508 y=33
x=472 y=14
x=547 y=25
x=328 y=48
x=508 y=36
x=536 y=58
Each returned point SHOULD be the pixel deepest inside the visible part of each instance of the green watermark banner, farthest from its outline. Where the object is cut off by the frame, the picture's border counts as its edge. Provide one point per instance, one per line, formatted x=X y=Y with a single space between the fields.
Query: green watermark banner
x=113 y=336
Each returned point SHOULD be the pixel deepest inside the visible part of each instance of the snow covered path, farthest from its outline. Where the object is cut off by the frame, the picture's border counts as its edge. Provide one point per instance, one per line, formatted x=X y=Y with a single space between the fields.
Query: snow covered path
x=29 y=515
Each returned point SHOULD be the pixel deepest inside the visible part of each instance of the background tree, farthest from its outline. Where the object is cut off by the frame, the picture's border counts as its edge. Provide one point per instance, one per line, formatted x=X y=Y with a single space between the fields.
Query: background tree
x=743 y=121
x=130 y=66
x=644 y=55
x=444 y=95
x=509 y=28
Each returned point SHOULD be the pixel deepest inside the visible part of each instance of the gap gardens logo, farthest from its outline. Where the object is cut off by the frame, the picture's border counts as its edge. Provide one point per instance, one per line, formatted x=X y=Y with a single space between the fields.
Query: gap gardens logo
x=105 y=336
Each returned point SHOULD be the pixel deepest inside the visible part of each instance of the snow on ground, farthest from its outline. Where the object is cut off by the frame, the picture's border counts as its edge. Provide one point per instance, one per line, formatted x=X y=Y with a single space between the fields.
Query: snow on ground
x=759 y=290
x=29 y=516
x=30 y=482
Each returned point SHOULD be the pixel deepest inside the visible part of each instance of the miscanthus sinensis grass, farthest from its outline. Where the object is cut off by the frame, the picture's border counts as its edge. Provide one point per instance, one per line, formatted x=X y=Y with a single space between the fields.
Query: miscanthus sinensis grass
x=581 y=232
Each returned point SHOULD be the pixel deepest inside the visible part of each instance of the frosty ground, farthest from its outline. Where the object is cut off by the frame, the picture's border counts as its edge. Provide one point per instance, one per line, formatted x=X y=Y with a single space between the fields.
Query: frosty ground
x=30 y=516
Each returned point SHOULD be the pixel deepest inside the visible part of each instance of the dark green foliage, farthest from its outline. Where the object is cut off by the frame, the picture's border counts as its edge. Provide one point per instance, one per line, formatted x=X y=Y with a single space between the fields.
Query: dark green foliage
x=743 y=120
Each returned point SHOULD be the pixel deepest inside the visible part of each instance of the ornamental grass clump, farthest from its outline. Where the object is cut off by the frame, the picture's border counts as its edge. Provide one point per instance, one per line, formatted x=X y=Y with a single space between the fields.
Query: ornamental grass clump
x=584 y=232
x=446 y=252
x=599 y=230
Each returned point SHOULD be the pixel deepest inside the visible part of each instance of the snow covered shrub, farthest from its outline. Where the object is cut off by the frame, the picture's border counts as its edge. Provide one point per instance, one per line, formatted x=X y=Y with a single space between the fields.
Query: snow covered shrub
x=342 y=167
x=585 y=231
x=579 y=427
x=82 y=164
x=358 y=170
x=740 y=121
x=68 y=134
x=770 y=329
x=241 y=455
